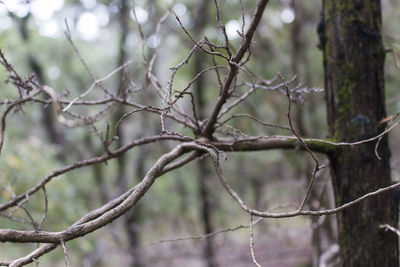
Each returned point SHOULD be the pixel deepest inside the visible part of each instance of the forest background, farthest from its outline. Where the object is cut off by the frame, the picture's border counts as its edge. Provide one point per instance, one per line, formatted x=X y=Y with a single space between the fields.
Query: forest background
x=52 y=38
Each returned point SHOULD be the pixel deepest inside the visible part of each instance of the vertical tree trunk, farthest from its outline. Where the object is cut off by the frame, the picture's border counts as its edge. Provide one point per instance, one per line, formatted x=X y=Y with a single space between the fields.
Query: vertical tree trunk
x=132 y=218
x=350 y=33
x=48 y=119
x=323 y=235
x=203 y=169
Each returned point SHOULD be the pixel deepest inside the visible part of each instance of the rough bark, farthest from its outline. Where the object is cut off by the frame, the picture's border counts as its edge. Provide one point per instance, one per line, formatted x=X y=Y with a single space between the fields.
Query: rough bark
x=350 y=33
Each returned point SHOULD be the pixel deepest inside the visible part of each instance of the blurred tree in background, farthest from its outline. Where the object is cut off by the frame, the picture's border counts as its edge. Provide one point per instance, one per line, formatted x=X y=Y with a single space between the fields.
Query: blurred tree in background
x=102 y=97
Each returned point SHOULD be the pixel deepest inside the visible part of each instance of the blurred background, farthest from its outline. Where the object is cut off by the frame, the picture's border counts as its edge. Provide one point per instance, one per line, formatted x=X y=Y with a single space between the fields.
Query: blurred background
x=188 y=202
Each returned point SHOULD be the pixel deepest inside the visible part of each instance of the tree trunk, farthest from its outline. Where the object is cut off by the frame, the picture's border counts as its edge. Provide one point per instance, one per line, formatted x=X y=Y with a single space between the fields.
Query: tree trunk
x=203 y=169
x=48 y=119
x=323 y=235
x=132 y=218
x=350 y=33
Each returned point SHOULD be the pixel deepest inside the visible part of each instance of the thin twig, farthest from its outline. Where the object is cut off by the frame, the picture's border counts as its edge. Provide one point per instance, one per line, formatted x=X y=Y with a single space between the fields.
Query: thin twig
x=210 y=126
x=65 y=253
x=97 y=81
x=68 y=34
x=393 y=118
x=223 y=29
x=298 y=212
x=198 y=44
x=9 y=108
x=390 y=228
x=316 y=167
x=256 y=120
x=202 y=237
x=146 y=140
x=46 y=208
x=253 y=256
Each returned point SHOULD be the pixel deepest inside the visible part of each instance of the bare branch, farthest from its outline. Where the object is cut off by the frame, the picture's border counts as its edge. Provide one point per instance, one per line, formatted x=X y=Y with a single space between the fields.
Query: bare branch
x=298 y=212
x=209 y=127
x=84 y=163
x=9 y=108
x=253 y=256
x=97 y=81
x=83 y=62
x=316 y=167
x=202 y=237
x=74 y=231
x=198 y=44
x=390 y=228
x=223 y=29
x=254 y=119
x=65 y=253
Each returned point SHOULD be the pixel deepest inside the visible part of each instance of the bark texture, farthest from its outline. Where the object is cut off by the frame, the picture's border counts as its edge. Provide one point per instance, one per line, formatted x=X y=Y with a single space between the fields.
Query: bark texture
x=350 y=33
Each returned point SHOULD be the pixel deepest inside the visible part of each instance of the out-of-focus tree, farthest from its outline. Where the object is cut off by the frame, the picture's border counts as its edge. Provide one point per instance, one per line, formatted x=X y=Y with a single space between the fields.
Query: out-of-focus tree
x=109 y=100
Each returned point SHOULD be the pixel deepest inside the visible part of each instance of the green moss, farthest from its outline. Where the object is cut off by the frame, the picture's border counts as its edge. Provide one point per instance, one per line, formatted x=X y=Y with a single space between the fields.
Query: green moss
x=322 y=146
x=344 y=5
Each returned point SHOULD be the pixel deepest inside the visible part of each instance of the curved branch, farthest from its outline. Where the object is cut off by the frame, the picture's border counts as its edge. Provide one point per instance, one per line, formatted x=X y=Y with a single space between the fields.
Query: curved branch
x=298 y=212
x=9 y=108
x=80 y=164
x=78 y=230
x=91 y=216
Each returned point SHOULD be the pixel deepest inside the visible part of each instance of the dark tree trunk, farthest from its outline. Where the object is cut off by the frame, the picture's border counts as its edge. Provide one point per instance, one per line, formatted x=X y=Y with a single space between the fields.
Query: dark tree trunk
x=135 y=217
x=131 y=219
x=203 y=169
x=350 y=33
x=323 y=235
x=48 y=119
